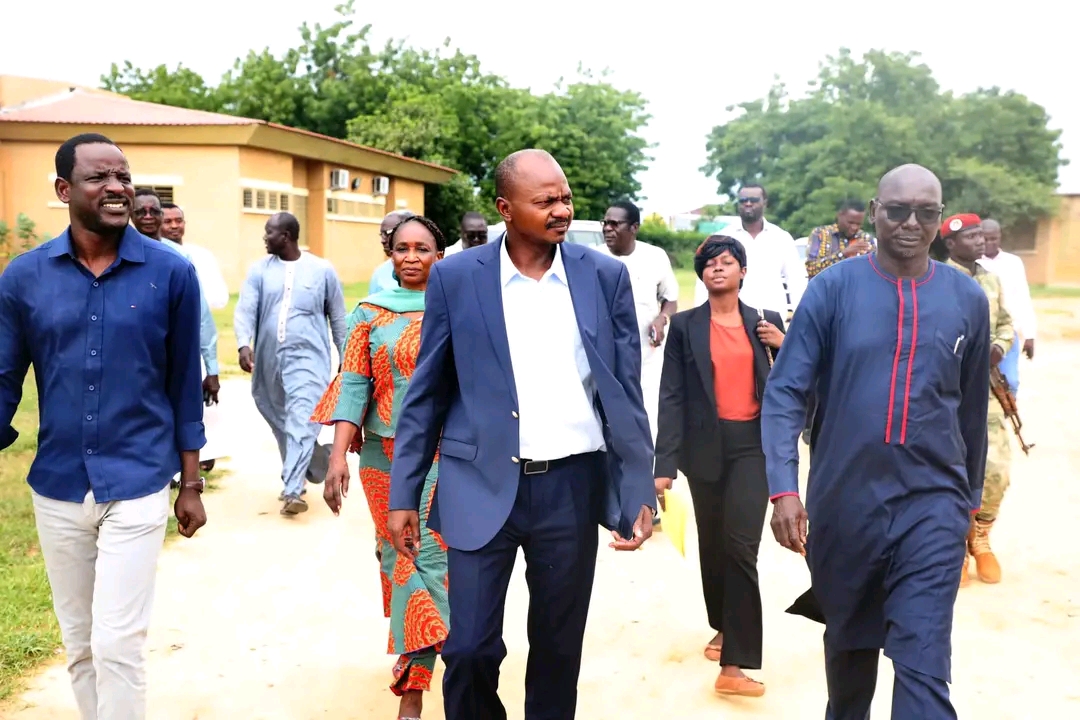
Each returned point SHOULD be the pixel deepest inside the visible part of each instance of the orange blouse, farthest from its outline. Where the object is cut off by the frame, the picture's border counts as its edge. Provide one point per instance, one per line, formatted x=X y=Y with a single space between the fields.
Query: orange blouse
x=733 y=373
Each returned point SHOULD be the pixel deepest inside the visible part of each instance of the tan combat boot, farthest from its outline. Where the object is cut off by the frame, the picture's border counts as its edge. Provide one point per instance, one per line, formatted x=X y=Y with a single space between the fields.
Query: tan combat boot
x=986 y=565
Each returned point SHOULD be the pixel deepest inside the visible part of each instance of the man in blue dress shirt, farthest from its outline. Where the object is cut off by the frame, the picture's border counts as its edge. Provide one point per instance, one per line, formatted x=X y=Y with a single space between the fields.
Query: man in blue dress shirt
x=109 y=319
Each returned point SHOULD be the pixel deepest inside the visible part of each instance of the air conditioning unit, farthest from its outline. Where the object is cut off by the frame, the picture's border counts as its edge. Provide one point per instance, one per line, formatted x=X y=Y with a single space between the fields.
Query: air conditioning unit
x=380 y=185
x=339 y=179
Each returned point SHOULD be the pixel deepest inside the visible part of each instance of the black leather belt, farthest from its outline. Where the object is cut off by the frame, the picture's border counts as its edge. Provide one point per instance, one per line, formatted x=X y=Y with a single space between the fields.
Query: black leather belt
x=539 y=467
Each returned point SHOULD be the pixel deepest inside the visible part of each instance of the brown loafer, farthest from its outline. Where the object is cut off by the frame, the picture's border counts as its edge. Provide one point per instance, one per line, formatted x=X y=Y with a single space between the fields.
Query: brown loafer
x=741 y=687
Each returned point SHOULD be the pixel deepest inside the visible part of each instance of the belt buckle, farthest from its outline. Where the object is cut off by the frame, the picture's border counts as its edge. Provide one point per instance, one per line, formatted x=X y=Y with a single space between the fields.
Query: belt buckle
x=536 y=467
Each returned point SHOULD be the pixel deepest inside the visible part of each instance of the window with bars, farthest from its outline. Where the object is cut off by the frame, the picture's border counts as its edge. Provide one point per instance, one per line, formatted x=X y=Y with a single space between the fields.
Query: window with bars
x=251 y=199
x=164 y=192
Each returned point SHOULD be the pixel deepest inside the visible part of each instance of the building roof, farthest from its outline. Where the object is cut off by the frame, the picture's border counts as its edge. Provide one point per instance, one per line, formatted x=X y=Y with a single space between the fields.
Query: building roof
x=86 y=108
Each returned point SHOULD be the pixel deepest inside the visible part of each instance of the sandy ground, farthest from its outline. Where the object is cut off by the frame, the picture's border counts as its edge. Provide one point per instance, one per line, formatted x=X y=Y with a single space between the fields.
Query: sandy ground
x=264 y=618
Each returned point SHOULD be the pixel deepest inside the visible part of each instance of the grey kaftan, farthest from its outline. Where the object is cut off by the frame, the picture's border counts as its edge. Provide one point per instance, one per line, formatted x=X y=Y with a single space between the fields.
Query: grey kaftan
x=282 y=315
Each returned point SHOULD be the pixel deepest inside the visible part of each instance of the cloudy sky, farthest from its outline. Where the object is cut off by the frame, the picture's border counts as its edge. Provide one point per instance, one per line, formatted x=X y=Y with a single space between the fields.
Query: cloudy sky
x=690 y=59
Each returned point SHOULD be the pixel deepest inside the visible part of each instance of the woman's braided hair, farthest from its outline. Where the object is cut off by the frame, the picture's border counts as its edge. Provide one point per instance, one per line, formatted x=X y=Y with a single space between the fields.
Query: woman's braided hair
x=440 y=239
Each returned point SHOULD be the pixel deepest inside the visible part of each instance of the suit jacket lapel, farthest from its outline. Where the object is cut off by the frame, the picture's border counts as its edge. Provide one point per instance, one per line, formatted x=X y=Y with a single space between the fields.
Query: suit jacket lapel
x=581 y=278
x=700 y=337
x=750 y=319
x=489 y=297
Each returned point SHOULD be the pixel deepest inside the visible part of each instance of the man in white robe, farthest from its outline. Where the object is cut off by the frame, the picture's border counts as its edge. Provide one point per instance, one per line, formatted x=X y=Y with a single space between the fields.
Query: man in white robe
x=281 y=332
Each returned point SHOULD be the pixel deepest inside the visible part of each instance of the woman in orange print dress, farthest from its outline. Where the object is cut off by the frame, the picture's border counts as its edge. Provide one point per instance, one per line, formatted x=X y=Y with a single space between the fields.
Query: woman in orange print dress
x=380 y=356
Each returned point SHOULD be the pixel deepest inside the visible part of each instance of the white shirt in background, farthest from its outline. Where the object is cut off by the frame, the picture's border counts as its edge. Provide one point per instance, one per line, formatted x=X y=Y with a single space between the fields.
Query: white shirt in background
x=771 y=260
x=210 y=277
x=554 y=382
x=1015 y=291
x=653 y=283
x=455 y=248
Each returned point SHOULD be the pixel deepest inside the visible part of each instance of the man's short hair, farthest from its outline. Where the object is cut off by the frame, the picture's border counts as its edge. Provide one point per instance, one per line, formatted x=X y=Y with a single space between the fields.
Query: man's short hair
x=473 y=215
x=290 y=224
x=633 y=212
x=170 y=206
x=851 y=204
x=65 y=155
x=751 y=186
x=148 y=192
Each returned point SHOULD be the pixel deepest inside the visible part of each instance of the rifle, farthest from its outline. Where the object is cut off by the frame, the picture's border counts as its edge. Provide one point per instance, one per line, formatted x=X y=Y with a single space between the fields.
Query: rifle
x=1000 y=387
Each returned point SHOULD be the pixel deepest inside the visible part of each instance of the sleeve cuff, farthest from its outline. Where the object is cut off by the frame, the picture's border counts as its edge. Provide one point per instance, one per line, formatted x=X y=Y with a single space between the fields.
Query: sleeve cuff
x=190 y=436
x=211 y=365
x=777 y=496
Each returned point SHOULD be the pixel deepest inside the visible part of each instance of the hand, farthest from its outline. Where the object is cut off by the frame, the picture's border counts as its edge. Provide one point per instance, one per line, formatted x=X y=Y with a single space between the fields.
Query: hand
x=247 y=359
x=1029 y=349
x=769 y=334
x=189 y=511
x=662 y=484
x=642 y=531
x=336 y=487
x=856 y=248
x=404 y=527
x=996 y=354
x=789 y=523
x=657 y=326
x=211 y=386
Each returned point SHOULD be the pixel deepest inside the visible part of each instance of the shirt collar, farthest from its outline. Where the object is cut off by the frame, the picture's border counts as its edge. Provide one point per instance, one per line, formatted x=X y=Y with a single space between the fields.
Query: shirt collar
x=979 y=269
x=509 y=272
x=130 y=249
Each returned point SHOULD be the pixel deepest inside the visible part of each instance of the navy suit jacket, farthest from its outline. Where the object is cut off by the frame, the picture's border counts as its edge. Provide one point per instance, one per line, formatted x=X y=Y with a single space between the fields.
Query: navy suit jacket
x=462 y=398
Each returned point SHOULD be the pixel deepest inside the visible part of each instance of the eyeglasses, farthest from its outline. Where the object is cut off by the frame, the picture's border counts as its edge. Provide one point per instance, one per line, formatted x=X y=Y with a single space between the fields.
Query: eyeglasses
x=748 y=200
x=146 y=212
x=475 y=235
x=613 y=223
x=924 y=214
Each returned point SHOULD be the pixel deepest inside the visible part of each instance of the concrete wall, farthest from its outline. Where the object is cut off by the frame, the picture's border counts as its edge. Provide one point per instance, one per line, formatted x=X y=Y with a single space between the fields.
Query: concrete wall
x=1056 y=260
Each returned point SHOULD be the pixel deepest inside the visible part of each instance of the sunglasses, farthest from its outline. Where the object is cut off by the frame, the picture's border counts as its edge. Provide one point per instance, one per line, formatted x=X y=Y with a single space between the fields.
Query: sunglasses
x=613 y=223
x=748 y=200
x=146 y=212
x=925 y=215
x=476 y=235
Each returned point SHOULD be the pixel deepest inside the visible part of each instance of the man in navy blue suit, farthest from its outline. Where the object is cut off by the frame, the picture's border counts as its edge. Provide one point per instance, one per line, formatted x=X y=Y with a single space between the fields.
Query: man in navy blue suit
x=528 y=383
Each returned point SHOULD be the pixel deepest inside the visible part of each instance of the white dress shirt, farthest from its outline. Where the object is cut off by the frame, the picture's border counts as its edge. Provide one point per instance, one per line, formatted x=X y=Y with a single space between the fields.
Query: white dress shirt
x=653 y=283
x=558 y=417
x=455 y=248
x=210 y=277
x=1015 y=291
x=771 y=260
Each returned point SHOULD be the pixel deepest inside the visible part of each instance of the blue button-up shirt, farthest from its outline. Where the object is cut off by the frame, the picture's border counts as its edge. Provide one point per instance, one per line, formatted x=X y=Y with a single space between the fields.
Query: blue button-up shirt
x=116 y=360
x=207 y=328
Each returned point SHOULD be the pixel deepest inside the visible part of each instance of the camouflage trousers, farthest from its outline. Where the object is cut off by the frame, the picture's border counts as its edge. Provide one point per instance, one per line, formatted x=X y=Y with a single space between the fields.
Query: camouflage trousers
x=998 y=464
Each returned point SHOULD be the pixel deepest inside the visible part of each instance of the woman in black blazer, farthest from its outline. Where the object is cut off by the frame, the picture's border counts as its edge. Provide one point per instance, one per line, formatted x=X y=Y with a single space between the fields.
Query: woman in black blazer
x=716 y=363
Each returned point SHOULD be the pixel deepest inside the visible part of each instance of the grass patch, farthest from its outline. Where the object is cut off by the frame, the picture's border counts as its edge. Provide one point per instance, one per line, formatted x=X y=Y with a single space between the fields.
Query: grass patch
x=29 y=634
x=1055 y=291
x=228 y=363
x=28 y=631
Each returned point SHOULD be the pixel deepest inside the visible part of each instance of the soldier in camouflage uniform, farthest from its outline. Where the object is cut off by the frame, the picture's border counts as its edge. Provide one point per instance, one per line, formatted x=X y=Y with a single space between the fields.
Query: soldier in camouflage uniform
x=964 y=241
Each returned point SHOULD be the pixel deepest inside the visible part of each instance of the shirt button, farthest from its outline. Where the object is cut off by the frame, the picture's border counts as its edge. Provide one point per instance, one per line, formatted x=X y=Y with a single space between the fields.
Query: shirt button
x=93 y=352
x=515 y=459
x=91 y=388
x=93 y=317
x=514 y=413
x=89 y=451
x=96 y=283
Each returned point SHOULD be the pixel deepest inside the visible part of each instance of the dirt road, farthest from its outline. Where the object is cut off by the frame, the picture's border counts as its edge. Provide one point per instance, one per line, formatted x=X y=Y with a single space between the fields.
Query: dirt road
x=264 y=618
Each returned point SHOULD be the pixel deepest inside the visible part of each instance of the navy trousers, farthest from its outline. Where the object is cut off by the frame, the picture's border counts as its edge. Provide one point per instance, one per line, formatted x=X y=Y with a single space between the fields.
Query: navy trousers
x=554 y=521
x=852 y=676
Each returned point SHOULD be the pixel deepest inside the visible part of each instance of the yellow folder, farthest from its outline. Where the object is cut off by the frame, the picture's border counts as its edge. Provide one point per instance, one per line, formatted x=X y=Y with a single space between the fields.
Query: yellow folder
x=675 y=518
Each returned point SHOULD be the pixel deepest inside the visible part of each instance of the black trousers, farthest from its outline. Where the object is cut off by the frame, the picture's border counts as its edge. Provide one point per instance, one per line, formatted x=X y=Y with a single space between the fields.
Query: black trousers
x=730 y=512
x=852 y=677
x=554 y=520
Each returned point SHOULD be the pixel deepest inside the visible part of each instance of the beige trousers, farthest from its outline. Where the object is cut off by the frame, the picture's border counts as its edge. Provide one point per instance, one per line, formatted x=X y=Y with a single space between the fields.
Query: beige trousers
x=102 y=560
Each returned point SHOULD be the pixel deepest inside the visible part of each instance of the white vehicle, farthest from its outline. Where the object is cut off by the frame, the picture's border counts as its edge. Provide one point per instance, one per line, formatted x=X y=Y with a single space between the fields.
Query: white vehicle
x=582 y=232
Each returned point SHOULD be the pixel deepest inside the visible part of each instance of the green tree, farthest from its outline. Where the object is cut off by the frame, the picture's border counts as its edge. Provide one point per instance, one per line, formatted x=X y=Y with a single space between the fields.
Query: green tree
x=434 y=105
x=993 y=150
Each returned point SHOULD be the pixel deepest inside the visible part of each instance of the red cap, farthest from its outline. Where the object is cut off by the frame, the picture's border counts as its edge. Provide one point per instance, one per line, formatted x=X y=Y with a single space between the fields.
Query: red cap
x=958 y=223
